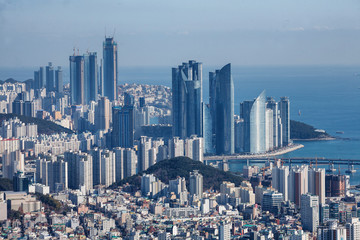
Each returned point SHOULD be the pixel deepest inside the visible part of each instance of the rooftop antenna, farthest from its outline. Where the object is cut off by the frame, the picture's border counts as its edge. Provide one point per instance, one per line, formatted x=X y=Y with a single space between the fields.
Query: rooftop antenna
x=114 y=32
x=74 y=51
x=78 y=52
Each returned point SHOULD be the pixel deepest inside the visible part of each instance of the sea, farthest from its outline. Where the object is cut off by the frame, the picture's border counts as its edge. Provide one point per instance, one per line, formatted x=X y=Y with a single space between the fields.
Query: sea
x=327 y=97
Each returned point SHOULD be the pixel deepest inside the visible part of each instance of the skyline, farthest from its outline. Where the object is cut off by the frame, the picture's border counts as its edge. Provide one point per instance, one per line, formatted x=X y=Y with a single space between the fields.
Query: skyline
x=260 y=33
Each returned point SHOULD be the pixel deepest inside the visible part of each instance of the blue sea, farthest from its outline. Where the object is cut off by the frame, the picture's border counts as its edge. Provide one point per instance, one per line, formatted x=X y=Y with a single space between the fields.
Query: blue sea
x=328 y=98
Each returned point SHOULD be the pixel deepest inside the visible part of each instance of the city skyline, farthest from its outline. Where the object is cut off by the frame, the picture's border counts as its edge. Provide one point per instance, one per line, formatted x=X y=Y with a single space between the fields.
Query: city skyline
x=262 y=33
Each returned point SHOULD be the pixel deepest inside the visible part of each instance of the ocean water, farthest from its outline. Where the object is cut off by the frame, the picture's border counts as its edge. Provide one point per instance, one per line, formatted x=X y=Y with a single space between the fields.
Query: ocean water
x=328 y=98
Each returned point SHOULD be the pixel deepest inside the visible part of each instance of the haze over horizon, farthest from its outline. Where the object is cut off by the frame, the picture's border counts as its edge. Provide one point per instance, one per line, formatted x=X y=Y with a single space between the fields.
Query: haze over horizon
x=166 y=33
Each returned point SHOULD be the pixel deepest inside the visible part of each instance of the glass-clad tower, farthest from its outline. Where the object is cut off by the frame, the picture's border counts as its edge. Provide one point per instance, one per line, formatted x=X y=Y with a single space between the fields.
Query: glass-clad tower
x=284 y=106
x=77 y=79
x=110 y=70
x=222 y=109
x=91 y=76
x=253 y=113
x=83 y=78
x=187 y=113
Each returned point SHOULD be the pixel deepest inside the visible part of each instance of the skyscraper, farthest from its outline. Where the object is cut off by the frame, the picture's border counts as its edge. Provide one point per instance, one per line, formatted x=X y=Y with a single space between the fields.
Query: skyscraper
x=83 y=78
x=284 y=106
x=253 y=113
x=102 y=114
x=196 y=184
x=280 y=180
x=309 y=212
x=59 y=85
x=317 y=183
x=272 y=104
x=77 y=80
x=123 y=127
x=187 y=100
x=91 y=77
x=222 y=109
x=110 y=71
x=50 y=83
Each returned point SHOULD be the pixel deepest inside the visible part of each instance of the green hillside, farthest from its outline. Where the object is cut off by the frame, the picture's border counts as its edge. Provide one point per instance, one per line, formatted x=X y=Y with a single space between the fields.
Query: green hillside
x=44 y=126
x=299 y=130
x=182 y=166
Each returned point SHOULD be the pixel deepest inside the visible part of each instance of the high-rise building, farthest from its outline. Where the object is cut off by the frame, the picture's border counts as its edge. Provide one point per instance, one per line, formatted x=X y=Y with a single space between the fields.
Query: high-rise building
x=298 y=183
x=271 y=201
x=222 y=109
x=123 y=127
x=176 y=147
x=309 y=212
x=59 y=85
x=130 y=162
x=77 y=80
x=83 y=78
x=39 y=78
x=194 y=148
x=224 y=231
x=317 y=183
x=335 y=185
x=50 y=80
x=80 y=170
x=196 y=184
x=331 y=231
x=102 y=114
x=253 y=113
x=110 y=69
x=207 y=129
x=12 y=162
x=280 y=180
x=187 y=100
x=272 y=104
x=52 y=173
x=284 y=107
x=91 y=77
x=143 y=156
x=269 y=134
x=353 y=229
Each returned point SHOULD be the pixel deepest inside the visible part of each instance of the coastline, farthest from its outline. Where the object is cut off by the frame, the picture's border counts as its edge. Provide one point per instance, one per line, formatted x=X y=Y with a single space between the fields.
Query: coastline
x=315 y=139
x=281 y=151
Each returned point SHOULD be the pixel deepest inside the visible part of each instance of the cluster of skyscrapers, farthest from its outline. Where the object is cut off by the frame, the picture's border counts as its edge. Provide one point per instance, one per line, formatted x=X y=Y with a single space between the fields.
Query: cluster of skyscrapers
x=86 y=82
x=263 y=124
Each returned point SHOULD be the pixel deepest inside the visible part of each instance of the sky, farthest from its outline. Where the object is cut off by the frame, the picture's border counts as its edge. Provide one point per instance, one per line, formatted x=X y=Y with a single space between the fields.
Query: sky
x=168 y=32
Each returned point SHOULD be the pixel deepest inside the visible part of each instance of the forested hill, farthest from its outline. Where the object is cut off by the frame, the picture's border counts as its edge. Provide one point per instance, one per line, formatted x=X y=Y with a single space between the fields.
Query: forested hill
x=182 y=166
x=300 y=130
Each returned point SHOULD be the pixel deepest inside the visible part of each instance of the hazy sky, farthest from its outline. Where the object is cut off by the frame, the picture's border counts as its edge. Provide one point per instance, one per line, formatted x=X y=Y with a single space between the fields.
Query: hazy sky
x=168 y=32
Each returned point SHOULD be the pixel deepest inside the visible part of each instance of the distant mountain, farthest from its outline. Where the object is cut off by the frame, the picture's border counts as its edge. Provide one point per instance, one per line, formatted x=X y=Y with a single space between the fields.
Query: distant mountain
x=303 y=131
x=10 y=80
x=182 y=166
x=44 y=126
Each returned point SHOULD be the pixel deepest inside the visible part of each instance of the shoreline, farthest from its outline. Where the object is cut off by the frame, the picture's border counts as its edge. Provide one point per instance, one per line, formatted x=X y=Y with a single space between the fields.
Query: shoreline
x=315 y=139
x=282 y=151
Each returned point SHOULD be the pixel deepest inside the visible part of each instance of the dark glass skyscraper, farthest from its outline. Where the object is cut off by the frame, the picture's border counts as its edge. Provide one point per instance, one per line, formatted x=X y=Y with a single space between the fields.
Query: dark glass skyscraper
x=91 y=76
x=123 y=127
x=59 y=80
x=222 y=109
x=110 y=71
x=284 y=106
x=50 y=83
x=83 y=78
x=77 y=80
x=187 y=100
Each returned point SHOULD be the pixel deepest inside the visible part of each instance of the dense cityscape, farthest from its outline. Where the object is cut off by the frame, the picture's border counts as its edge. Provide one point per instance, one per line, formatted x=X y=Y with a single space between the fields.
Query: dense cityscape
x=93 y=159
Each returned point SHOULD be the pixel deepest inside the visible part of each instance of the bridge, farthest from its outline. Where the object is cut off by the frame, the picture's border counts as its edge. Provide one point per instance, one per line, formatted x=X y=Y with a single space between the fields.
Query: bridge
x=294 y=160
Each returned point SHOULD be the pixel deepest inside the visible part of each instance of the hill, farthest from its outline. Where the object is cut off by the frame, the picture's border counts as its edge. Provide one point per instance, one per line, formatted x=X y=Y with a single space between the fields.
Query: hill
x=299 y=130
x=44 y=126
x=182 y=166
